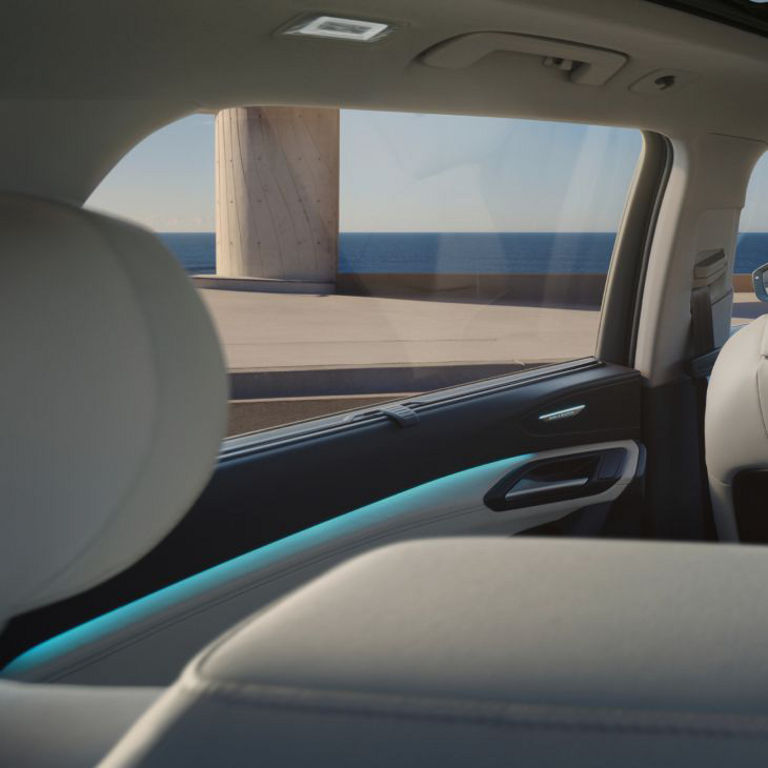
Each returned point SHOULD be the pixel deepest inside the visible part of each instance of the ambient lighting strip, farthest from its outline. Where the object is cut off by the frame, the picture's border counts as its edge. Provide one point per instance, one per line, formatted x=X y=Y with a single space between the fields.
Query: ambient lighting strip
x=144 y=608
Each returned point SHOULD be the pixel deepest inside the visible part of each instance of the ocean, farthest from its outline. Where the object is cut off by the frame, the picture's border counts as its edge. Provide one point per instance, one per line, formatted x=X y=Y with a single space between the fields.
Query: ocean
x=462 y=252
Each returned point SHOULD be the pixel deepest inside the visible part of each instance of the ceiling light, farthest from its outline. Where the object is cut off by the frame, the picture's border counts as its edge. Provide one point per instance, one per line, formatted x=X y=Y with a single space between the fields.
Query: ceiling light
x=338 y=28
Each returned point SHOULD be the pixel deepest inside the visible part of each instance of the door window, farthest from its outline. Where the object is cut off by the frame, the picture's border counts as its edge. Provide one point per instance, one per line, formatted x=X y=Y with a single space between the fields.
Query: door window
x=461 y=248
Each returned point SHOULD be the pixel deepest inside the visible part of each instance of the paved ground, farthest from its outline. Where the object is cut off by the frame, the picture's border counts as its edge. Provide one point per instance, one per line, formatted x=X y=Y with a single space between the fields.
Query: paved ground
x=262 y=330
x=268 y=331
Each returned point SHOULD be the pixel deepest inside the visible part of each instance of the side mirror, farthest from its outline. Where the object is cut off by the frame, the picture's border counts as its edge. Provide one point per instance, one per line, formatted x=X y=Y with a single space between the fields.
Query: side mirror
x=760 y=282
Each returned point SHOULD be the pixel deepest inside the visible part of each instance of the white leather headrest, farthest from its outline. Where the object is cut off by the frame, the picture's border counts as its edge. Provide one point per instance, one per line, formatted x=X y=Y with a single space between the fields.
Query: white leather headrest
x=113 y=398
x=736 y=429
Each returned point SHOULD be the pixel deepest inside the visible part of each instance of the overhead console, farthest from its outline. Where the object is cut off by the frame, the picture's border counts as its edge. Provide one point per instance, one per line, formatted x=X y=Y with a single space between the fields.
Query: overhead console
x=583 y=64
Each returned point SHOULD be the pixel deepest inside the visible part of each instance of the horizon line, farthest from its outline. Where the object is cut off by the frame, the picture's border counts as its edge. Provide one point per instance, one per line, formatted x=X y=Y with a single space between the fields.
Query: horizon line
x=450 y=232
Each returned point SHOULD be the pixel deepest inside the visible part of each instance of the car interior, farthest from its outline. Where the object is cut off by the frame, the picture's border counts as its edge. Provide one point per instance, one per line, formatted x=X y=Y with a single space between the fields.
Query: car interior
x=561 y=565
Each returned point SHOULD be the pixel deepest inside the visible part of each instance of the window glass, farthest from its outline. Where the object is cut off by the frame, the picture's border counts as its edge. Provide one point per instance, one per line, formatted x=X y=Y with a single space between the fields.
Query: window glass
x=752 y=245
x=369 y=256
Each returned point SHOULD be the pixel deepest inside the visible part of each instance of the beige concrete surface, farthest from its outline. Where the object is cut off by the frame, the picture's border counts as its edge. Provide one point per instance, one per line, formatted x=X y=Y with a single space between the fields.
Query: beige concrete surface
x=277 y=193
x=263 y=331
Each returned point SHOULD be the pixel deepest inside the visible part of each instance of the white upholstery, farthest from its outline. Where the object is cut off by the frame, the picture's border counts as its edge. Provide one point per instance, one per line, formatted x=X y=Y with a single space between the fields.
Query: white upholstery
x=736 y=429
x=114 y=398
x=65 y=726
x=486 y=652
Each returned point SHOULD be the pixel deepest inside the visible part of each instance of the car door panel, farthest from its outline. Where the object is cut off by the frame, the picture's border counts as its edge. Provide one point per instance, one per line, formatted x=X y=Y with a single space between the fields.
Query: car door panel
x=274 y=485
x=148 y=641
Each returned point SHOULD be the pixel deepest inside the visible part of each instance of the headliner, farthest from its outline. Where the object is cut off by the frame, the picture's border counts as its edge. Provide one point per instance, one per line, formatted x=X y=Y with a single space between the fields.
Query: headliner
x=83 y=81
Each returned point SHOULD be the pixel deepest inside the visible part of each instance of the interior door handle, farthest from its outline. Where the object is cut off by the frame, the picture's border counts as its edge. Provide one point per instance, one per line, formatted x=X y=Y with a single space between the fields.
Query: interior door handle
x=559 y=478
x=535 y=487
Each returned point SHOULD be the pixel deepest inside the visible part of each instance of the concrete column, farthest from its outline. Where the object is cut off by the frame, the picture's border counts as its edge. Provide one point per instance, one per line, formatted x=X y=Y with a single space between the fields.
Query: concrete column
x=277 y=193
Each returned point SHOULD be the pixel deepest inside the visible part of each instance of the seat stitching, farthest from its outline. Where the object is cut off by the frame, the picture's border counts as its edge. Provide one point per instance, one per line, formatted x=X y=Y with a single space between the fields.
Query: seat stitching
x=495 y=713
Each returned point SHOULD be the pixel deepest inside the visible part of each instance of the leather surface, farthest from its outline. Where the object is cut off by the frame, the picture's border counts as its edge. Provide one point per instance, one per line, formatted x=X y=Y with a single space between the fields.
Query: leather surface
x=114 y=396
x=65 y=726
x=470 y=651
x=736 y=431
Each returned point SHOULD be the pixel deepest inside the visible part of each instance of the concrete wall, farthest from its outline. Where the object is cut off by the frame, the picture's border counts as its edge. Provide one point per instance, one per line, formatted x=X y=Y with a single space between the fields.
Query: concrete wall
x=742 y=283
x=277 y=193
x=251 y=415
x=582 y=289
x=362 y=379
x=546 y=289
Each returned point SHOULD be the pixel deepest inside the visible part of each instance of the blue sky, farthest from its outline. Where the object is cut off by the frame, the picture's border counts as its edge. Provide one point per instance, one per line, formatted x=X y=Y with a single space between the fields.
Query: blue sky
x=410 y=172
x=166 y=182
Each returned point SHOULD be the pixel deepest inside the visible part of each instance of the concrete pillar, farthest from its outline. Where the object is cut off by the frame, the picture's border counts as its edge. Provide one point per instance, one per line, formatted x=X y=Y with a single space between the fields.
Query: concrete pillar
x=277 y=193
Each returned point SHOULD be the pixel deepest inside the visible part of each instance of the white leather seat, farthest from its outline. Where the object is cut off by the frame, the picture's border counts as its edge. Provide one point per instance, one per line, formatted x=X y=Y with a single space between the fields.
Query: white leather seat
x=65 y=726
x=736 y=421
x=486 y=652
x=114 y=401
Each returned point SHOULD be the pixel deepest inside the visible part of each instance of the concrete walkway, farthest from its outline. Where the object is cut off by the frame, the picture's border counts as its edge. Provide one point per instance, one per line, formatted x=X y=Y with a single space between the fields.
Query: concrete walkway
x=265 y=331
x=268 y=331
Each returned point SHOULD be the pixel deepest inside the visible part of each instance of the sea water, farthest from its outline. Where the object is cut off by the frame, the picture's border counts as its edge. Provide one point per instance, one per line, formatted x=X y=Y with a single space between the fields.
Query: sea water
x=463 y=252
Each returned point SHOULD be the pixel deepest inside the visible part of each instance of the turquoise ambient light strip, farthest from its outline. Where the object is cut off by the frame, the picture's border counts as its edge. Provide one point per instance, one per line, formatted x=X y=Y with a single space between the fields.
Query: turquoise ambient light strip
x=96 y=629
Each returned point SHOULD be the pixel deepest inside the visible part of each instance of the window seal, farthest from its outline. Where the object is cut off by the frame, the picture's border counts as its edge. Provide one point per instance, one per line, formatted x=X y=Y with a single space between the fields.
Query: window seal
x=245 y=445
